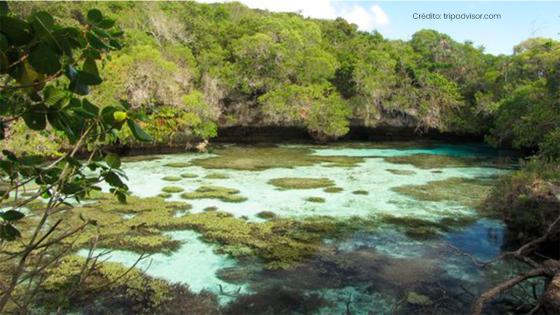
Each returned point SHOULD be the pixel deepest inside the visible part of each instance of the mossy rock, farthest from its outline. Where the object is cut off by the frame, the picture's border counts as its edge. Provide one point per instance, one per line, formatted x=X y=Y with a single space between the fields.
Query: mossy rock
x=262 y=158
x=189 y=175
x=400 y=172
x=236 y=275
x=360 y=192
x=301 y=182
x=171 y=178
x=209 y=209
x=332 y=190
x=266 y=215
x=216 y=176
x=177 y=164
x=418 y=299
x=172 y=189
x=215 y=192
x=315 y=199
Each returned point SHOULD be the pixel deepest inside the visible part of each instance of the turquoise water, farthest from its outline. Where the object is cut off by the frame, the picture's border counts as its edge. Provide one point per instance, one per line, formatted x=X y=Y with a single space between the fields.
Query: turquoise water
x=366 y=272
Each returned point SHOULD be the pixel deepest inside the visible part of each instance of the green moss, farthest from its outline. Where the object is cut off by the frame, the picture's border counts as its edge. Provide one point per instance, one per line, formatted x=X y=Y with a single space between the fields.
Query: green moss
x=301 y=182
x=139 y=158
x=315 y=199
x=465 y=191
x=430 y=161
x=266 y=215
x=171 y=178
x=360 y=192
x=189 y=175
x=172 y=189
x=215 y=192
x=208 y=209
x=333 y=190
x=261 y=158
x=164 y=195
x=216 y=176
x=177 y=164
x=400 y=172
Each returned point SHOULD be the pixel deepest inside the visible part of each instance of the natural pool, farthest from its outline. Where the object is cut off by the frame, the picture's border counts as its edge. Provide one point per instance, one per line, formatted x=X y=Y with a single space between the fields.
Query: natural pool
x=402 y=205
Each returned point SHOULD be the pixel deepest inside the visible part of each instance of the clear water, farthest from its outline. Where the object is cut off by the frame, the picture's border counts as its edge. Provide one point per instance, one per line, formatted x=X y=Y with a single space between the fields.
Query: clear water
x=382 y=266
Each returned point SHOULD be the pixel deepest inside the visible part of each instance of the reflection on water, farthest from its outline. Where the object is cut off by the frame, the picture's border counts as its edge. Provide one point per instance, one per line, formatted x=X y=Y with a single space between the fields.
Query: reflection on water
x=367 y=272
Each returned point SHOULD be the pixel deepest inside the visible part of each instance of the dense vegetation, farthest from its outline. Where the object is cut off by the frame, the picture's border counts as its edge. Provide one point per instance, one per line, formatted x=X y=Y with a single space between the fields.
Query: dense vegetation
x=193 y=68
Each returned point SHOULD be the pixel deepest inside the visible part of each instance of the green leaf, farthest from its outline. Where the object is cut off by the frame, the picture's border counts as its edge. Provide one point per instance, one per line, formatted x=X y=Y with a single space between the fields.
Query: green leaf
x=90 y=67
x=95 y=41
x=106 y=23
x=94 y=16
x=31 y=160
x=17 y=31
x=138 y=132
x=44 y=60
x=42 y=23
x=113 y=160
x=114 y=180
x=11 y=215
x=8 y=232
x=35 y=120
x=53 y=96
x=87 y=109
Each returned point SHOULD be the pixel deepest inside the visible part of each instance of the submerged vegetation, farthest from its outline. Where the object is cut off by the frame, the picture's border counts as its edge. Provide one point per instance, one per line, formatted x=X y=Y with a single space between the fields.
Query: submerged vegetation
x=466 y=191
x=262 y=158
x=301 y=182
x=215 y=192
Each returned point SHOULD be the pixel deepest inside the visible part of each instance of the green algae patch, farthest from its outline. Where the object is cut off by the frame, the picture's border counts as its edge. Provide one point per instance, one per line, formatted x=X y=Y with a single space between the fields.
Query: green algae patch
x=189 y=175
x=470 y=192
x=266 y=215
x=280 y=243
x=140 y=158
x=262 y=158
x=400 y=172
x=211 y=208
x=164 y=195
x=360 y=192
x=301 y=182
x=171 y=178
x=431 y=161
x=333 y=190
x=215 y=192
x=177 y=164
x=315 y=199
x=216 y=176
x=421 y=229
x=172 y=189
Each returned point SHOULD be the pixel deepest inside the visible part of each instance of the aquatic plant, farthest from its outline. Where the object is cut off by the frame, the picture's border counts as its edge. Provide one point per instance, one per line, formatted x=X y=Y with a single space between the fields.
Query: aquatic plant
x=171 y=178
x=360 y=192
x=189 y=175
x=216 y=176
x=261 y=158
x=430 y=161
x=301 y=182
x=164 y=195
x=212 y=208
x=333 y=190
x=400 y=172
x=315 y=199
x=172 y=189
x=177 y=164
x=417 y=228
x=470 y=192
x=266 y=215
x=215 y=192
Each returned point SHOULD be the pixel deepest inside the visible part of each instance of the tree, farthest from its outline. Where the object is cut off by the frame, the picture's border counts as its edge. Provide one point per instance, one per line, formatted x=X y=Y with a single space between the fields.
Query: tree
x=46 y=71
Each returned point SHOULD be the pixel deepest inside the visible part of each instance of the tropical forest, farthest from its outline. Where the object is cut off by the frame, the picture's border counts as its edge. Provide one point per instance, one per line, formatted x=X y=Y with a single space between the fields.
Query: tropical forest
x=217 y=158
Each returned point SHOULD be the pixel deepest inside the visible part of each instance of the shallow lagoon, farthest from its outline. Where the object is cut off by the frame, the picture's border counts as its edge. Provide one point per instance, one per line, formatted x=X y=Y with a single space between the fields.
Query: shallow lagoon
x=367 y=271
